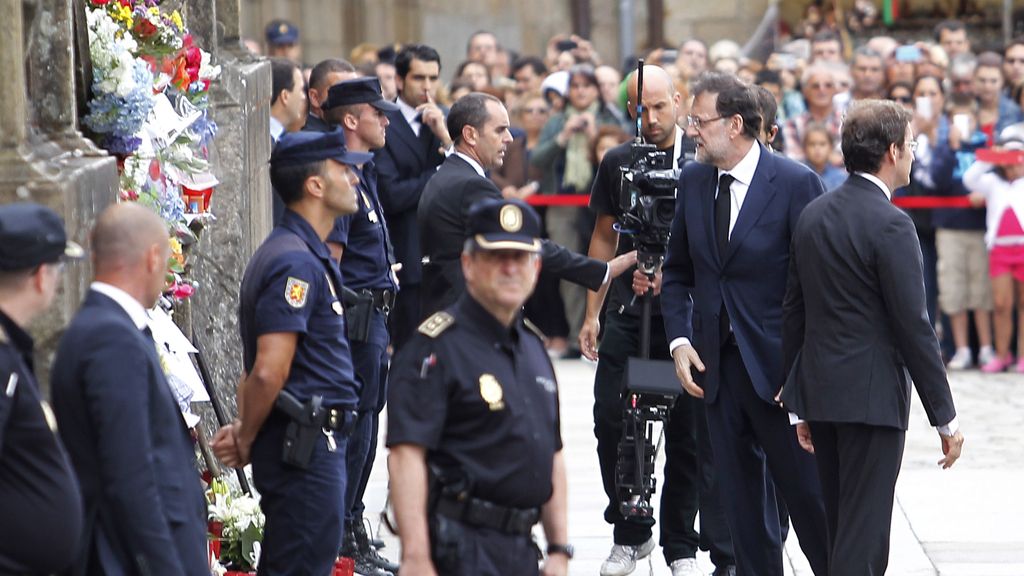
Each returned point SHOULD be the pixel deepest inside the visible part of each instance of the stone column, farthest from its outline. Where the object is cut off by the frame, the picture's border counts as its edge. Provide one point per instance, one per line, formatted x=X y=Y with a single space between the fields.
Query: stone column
x=34 y=168
x=240 y=105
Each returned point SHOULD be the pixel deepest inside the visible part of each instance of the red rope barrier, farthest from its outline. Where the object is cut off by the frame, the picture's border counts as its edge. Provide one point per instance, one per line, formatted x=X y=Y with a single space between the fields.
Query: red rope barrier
x=908 y=202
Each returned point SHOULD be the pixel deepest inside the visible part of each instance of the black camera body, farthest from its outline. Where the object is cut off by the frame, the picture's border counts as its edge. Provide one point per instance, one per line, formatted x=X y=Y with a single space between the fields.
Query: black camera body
x=647 y=199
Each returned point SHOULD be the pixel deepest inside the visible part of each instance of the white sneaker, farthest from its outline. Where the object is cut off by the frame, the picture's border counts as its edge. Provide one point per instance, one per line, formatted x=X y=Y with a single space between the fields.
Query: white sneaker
x=622 y=559
x=961 y=360
x=986 y=355
x=685 y=567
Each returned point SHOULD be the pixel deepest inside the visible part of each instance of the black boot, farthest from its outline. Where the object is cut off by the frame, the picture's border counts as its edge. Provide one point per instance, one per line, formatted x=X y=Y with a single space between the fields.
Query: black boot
x=364 y=566
x=367 y=550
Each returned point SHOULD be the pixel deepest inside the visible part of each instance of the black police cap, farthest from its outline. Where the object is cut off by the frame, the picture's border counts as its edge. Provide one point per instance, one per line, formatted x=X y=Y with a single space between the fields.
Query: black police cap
x=305 y=146
x=279 y=32
x=505 y=224
x=30 y=235
x=365 y=90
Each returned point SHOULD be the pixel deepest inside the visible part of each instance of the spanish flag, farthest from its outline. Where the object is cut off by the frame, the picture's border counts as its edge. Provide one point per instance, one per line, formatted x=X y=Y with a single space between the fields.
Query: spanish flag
x=890 y=11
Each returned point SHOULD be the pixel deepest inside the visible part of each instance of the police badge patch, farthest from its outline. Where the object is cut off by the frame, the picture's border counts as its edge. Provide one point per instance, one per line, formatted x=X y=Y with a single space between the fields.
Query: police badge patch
x=295 y=292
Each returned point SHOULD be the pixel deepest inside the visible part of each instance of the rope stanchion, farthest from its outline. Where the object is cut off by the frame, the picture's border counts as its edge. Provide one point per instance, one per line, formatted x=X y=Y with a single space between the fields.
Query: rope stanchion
x=907 y=202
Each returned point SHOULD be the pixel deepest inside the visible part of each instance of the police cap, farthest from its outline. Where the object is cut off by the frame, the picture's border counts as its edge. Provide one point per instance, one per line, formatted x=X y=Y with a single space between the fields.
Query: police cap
x=281 y=32
x=31 y=235
x=364 y=90
x=305 y=146
x=505 y=224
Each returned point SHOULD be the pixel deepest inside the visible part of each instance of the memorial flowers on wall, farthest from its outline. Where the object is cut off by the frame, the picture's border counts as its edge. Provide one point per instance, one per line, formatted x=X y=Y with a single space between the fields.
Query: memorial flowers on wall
x=149 y=107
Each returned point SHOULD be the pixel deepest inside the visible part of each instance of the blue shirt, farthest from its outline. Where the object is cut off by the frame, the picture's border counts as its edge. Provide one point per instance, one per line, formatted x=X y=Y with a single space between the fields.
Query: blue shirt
x=366 y=261
x=292 y=285
x=832 y=177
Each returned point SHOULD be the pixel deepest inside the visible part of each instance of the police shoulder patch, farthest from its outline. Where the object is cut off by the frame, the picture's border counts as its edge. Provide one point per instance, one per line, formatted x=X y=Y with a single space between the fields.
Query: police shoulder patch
x=295 y=292
x=436 y=324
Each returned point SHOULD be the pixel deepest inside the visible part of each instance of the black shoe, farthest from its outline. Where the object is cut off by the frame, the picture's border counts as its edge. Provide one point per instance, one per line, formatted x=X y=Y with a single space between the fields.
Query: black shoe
x=366 y=551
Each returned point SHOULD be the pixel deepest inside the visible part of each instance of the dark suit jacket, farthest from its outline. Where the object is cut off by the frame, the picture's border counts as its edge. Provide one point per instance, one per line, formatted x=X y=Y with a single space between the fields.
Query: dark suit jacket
x=144 y=507
x=404 y=165
x=854 y=316
x=444 y=224
x=750 y=276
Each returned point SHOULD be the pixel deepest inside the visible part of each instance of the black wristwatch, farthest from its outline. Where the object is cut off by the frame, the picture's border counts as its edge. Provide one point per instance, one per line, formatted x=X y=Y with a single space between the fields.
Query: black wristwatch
x=566 y=549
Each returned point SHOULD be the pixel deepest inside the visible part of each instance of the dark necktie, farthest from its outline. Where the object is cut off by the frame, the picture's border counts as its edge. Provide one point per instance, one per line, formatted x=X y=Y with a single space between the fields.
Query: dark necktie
x=723 y=209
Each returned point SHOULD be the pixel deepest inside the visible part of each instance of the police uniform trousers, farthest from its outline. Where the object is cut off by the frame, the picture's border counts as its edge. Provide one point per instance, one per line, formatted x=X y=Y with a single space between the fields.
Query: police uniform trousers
x=405 y=315
x=302 y=528
x=485 y=552
x=683 y=478
x=752 y=439
x=370 y=361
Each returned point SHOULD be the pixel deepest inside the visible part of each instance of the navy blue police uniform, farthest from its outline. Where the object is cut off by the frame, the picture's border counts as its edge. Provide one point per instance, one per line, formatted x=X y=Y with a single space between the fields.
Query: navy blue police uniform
x=366 y=269
x=292 y=285
x=483 y=400
x=39 y=495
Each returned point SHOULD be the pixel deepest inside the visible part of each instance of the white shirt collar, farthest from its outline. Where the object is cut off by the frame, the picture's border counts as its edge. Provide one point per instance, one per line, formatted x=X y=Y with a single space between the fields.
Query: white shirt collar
x=408 y=112
x=678 y=150
x=476 y=165
x=276 y=129
x=131 y=306
x=877 y=182
x=744 y=170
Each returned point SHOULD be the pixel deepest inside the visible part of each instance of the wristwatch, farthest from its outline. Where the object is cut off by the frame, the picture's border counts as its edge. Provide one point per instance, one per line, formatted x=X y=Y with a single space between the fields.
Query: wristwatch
x=566 y=549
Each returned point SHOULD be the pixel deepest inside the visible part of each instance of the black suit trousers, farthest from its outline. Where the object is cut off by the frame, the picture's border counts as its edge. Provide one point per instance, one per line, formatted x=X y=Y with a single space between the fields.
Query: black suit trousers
x=679 y=498
x=858 y=465
x=755 y=452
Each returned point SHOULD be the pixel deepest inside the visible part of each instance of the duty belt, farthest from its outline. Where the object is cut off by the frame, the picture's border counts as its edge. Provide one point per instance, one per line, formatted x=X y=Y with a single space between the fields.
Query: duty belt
x=383 y=298
x=484 y=514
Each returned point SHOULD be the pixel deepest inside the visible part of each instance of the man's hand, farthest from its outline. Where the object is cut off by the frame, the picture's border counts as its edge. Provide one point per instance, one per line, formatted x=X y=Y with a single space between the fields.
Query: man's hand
x=803 y=436
x=641 y=283
x=951 y=447
x=555 y=565
x=685 y=357
x=417 y=566
x=228 y=448
x=432 y=117
x=620 y=264
x=588 y=337
x=395 y=269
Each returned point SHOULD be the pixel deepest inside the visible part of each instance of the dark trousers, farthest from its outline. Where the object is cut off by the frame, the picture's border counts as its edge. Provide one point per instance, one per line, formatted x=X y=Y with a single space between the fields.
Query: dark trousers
x=301 y=534
x=405 y=315
x=370 y=361
x=679 y=492
x=858 y=465
x=753 y=445
x=458 y=549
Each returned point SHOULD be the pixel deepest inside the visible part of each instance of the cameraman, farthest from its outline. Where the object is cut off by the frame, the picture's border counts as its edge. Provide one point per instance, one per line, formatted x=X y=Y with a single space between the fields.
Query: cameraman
x=633 y=539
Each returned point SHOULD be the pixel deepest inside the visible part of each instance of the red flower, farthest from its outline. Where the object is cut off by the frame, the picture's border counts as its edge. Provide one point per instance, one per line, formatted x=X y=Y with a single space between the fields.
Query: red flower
x=100 y=2
x=144 y=28
x=154 y=170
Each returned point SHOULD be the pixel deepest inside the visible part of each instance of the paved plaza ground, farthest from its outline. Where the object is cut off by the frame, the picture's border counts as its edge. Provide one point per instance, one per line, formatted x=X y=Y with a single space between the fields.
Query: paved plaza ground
x=966 y=521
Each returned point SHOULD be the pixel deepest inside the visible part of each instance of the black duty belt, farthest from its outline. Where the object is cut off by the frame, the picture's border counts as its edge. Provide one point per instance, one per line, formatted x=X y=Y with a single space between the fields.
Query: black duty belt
x=383 y=298
x=484 y=514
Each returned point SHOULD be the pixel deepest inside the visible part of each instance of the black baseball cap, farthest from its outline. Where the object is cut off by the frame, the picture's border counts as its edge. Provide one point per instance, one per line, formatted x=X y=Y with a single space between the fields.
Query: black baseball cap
x=365 y=90
x=504 y=224
x=32 y=234
x=306 y=146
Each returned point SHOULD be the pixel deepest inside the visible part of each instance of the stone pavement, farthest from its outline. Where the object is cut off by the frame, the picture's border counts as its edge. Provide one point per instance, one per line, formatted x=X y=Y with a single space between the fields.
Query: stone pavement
x=966 y=521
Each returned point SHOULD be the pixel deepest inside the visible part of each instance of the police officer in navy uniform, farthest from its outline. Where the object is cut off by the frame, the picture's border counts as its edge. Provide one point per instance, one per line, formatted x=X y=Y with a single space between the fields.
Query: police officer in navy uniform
x=297 y=397
x=473 y=422
x=361 y=242
x=39 y=496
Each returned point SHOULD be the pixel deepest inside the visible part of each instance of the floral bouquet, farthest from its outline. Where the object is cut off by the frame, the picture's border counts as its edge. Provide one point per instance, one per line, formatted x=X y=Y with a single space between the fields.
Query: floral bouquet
x=236 y=523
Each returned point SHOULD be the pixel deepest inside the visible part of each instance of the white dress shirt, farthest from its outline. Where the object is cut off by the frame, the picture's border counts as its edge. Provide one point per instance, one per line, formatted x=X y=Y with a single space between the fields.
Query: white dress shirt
x=412 y=117
x=126 y=301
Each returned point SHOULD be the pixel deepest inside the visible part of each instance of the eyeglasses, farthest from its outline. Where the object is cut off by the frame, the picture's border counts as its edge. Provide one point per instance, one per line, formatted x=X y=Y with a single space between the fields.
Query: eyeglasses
x=912 y=144
x=699 y=123
x=903 y=99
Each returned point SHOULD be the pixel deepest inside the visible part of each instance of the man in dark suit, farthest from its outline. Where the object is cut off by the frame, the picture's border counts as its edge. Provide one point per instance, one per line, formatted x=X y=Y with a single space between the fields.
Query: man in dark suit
x=480 y=124
x=729 y=248
x=144 y=507
x=416 y=138
x=856 y=332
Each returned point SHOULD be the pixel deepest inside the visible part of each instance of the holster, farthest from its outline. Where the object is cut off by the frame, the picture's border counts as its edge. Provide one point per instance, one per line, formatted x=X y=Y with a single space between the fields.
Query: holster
x=359 y=313
x=308 y=423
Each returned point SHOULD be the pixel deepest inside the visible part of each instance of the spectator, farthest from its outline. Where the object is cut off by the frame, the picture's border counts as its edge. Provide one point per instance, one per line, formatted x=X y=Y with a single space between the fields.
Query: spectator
x=692 y=60
x=1000 y=188
x=501 y=68
x=482 y=47
x=555 y=88
x=364 y=53
x=1013 y=64
x=868 y=74
x=952 y=36
x=385 y=72
x=963 y=275
x=819 y=88
x=608 y=137
x=826 y=46
x=818 y=145
x=903 y=94
x=884 y=45
x=528 y=73
x=609 y=81
x=287 y=98
x=283 y=41
x=996 y=110
x=324 y=75
x=474 y=74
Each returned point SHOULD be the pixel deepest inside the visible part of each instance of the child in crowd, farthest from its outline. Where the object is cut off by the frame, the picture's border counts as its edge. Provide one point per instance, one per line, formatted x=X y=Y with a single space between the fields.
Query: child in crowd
x=818 y=146
x=1001 y=188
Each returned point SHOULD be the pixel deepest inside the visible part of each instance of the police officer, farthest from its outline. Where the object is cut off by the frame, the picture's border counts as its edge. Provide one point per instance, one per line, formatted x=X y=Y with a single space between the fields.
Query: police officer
x=39 y=496
x=297 y=398
x=473 y=400
x=361 y=242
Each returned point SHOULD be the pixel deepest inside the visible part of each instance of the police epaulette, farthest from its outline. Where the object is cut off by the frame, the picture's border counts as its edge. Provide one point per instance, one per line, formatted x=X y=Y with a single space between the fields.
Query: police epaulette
x=533 y=328
x=436 y=324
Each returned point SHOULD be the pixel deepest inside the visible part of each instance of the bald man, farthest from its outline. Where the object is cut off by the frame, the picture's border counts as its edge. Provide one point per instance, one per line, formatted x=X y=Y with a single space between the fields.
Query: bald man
x=144 y=507
x=633 y=537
